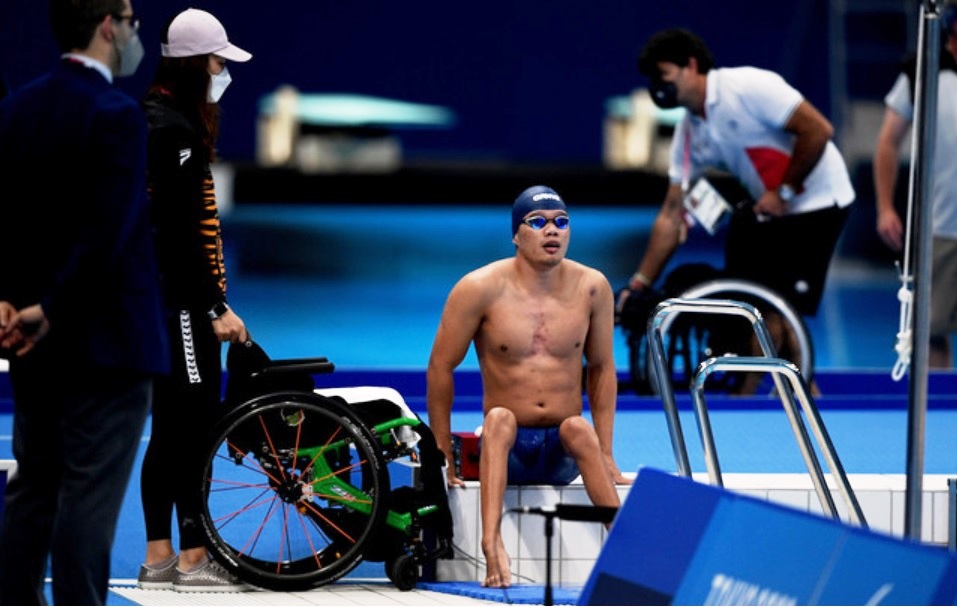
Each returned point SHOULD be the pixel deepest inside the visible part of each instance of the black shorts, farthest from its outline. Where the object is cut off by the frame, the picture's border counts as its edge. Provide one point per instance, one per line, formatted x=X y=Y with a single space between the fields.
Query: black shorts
x=789 y=254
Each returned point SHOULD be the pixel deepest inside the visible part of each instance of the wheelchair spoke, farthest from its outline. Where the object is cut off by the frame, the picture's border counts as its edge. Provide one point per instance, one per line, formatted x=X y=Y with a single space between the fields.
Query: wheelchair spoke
x=315 y=511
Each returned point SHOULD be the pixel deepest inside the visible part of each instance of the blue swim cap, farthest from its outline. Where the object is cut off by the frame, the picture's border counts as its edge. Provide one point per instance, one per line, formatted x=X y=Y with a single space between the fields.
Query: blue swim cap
x=535 y=198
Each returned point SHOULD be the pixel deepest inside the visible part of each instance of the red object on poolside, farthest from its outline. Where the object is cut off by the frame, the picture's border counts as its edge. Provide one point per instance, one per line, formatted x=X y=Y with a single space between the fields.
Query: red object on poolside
x=465 y=452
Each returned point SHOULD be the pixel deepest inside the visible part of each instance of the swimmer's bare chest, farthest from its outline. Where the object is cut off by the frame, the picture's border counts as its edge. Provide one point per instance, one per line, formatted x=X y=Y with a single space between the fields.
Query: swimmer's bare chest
x=531 y=363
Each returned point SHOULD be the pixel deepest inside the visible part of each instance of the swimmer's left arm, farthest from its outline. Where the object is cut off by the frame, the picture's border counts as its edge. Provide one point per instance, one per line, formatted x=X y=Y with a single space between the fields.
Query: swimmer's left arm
x=602 y=379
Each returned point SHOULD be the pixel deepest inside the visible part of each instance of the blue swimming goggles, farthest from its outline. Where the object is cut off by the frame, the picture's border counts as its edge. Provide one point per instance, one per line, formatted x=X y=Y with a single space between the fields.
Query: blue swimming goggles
x=537 y=222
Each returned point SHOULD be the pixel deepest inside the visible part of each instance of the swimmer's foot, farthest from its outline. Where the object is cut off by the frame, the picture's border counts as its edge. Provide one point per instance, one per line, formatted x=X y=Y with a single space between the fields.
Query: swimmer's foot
x=497 y=569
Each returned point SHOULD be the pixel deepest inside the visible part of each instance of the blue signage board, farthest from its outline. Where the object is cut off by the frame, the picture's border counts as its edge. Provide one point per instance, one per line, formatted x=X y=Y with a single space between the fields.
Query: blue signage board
x=676 y=541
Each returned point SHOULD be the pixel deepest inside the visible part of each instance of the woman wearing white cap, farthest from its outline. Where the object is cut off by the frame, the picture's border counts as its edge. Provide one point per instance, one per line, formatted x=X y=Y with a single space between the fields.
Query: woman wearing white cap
x=182 y=106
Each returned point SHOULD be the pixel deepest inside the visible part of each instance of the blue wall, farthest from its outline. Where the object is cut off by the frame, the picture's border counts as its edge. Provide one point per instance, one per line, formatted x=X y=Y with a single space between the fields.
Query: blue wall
x=528 y=79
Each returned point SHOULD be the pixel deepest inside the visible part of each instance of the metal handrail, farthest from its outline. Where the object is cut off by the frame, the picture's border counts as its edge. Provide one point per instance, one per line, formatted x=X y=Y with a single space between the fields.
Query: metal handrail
x=724 y=287
x=657 y=326
x=777 y=366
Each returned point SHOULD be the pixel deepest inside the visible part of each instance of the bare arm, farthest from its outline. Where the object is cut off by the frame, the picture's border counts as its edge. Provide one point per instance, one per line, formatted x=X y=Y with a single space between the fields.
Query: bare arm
x=601 y=378
x=460 y=320
x=812 y=131
x=886 y=159
x=667 y=233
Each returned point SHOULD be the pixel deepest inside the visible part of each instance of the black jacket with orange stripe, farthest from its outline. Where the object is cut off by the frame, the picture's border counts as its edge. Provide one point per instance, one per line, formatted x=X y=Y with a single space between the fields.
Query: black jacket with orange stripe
x=183 y=207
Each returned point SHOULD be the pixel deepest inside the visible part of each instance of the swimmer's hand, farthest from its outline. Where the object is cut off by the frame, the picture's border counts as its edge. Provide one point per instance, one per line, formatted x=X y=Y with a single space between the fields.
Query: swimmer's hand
x=453 y=480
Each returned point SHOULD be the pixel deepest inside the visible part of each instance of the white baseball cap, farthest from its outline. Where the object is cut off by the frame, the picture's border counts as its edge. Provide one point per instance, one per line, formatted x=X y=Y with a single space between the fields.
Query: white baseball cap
x=196 y=32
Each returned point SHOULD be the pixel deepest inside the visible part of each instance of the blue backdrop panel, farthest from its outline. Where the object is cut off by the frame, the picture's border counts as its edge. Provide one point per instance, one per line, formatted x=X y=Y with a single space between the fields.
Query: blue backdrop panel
x=676 y=541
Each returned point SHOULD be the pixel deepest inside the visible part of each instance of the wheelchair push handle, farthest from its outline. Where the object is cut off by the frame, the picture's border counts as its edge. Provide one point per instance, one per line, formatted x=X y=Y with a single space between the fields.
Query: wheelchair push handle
x=248 y=359
x=298 y=365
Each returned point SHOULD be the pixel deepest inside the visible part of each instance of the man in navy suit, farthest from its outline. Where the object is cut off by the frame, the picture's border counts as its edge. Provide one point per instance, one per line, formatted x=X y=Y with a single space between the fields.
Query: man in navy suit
x=80 y=311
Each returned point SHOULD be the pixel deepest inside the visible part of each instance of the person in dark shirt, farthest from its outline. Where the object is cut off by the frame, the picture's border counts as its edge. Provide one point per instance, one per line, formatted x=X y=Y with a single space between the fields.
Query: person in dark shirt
x=80 y=307
x=183 y=113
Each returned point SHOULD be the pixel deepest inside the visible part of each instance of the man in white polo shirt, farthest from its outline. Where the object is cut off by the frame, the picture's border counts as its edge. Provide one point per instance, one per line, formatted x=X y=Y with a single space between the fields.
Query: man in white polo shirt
x=752 y=124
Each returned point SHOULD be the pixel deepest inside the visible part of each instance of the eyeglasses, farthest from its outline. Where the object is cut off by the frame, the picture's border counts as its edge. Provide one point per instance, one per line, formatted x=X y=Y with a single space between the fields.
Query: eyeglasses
x=133 y=19
x=537 y=222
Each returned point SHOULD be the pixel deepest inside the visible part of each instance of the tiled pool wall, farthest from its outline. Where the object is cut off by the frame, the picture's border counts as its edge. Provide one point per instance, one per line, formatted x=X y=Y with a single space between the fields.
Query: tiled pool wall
x=576 y=545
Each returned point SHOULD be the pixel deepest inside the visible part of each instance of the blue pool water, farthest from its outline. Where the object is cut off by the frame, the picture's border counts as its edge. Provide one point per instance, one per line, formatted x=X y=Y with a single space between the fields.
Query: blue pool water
x=365 y=285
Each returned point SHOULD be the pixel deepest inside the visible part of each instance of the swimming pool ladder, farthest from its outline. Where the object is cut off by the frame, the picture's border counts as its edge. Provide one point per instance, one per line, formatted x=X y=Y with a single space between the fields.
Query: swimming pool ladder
x=780 y=371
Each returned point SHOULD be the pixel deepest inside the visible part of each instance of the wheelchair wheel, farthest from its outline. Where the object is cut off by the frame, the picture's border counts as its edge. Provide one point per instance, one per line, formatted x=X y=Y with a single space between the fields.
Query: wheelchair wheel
x=690 y=339
x=403 y=572
x=293 y=488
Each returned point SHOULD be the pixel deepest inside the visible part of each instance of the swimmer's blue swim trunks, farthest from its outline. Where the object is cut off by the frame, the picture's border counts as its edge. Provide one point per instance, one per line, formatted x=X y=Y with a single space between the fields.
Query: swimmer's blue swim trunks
x=538 y=458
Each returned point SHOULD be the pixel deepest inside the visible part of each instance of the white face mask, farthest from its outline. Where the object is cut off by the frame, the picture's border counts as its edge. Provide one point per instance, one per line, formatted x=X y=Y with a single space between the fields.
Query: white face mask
x=130 y=56
x=217 y=85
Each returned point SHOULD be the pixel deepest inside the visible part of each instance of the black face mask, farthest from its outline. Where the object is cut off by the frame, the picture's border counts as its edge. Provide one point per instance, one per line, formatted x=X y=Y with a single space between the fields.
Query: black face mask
x=664 y=94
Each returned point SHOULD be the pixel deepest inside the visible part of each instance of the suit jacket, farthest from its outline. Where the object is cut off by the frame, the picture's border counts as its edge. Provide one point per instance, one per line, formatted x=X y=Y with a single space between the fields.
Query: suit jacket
x=74 y=220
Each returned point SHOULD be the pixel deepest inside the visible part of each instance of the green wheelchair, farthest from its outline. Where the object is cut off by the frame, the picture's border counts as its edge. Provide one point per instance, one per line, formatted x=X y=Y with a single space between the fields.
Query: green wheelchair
x=295 y=486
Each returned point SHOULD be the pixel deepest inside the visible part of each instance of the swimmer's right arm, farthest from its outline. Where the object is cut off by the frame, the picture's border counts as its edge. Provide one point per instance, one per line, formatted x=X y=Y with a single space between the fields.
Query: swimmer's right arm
x=460 y=321
x=439 y=404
